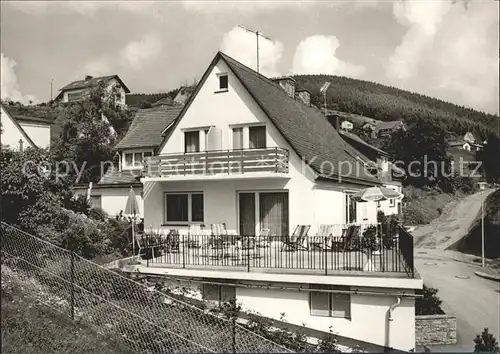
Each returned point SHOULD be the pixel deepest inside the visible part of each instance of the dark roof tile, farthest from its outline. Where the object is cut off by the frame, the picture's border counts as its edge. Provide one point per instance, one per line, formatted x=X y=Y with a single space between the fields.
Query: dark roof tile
x=115 y=177
x=80 y=84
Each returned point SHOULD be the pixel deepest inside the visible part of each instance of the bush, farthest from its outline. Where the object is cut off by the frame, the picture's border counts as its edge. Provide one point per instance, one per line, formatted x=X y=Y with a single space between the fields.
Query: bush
x=328 y=344
x=485 y=343
x=429 y=304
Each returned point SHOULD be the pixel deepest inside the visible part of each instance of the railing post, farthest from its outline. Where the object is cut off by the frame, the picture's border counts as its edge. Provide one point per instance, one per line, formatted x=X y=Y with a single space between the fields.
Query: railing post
x=276 y=159
x=206 y=162
x=325 y=250
x=184 y=161
x=228 y=160
x=248 y=254
x=183 y=251
x=242 y=160
x=72 y=276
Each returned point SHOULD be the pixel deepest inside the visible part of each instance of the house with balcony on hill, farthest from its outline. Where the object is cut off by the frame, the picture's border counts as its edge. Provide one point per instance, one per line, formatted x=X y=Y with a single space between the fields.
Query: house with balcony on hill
x=248 y=197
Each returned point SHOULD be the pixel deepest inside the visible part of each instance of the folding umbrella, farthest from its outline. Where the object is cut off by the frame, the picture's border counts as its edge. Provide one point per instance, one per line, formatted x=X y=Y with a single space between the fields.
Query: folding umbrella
x=132 y=209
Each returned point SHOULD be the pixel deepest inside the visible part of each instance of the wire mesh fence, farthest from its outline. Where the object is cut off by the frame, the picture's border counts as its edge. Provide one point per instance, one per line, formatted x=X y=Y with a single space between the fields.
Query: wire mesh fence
x=146 y=320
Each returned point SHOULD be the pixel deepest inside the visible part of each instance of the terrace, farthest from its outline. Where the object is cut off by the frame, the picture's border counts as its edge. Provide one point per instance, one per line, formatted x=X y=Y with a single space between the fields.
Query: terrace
x=391 y=253
x=233 y=162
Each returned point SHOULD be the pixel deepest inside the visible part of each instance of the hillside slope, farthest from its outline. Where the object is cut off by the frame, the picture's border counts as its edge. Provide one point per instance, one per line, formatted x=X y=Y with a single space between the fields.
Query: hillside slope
x=389 y=103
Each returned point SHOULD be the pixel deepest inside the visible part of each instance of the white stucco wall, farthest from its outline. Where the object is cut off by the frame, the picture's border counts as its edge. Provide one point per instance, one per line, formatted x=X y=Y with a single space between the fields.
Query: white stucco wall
x=369 y=313
x=113 y=200
x=39 y=133
x=109 y=86
x=11 y=134
x=385 y=205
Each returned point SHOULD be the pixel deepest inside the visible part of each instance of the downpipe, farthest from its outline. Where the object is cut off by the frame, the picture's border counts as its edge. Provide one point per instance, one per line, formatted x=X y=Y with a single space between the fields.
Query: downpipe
x=389 y=320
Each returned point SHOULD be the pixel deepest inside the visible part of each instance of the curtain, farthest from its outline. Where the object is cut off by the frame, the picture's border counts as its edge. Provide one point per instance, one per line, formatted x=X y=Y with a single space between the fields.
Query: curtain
x=192 y=141
x=274 y=213
x=177 y=207
x=257 y=137
x=238 y=138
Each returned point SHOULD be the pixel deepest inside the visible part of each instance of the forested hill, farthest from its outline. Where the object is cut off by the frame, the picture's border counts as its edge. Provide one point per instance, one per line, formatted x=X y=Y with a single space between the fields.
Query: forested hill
x=389 y=103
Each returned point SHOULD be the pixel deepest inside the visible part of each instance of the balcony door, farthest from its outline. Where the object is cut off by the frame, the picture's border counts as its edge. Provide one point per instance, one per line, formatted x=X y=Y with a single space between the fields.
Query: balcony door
x=263 y=210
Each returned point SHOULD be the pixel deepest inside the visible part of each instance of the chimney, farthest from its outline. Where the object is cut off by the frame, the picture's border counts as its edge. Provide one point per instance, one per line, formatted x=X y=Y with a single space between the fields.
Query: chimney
x=304 y=96
x=88 y=77
x=334 y=121
x=287 y=83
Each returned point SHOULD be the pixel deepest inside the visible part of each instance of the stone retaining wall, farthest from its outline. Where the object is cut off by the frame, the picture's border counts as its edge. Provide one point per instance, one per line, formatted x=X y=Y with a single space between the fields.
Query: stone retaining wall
x=435 y=329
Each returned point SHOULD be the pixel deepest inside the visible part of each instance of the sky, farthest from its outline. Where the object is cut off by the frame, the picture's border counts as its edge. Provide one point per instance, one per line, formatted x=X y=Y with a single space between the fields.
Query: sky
x=447 y=49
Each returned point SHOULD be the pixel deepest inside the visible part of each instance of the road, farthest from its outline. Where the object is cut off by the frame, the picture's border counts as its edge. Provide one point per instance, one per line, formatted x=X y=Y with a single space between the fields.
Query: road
x=475 y=301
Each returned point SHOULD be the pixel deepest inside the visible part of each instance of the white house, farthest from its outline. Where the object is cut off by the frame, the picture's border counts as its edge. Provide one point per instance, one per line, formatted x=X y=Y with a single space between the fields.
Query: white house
x=346 y=125
x=244 y=153
x=22 y=128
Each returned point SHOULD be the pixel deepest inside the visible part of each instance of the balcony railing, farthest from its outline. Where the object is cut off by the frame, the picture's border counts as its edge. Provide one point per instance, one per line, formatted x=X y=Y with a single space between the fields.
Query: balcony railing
x=391 y=252
x=225 y=162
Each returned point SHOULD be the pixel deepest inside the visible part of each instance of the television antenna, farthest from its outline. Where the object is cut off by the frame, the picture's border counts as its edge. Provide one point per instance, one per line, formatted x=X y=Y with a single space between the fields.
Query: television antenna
x=257 y=34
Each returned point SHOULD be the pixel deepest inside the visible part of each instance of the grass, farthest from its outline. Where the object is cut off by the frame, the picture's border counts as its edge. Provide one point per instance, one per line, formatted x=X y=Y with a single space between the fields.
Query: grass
x=32 y=328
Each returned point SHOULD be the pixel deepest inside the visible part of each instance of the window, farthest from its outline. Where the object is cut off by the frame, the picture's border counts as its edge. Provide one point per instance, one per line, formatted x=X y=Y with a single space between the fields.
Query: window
x=96 y=201
x=75 y=96
x=237 y=138
x=138 y=159
x=184 y=207
x=392 y=203
x=257 y=137
x=350 y=209
x=330 y=304
x=215 y=294
x=129 y=160
x=192 y=141
x=223 y=82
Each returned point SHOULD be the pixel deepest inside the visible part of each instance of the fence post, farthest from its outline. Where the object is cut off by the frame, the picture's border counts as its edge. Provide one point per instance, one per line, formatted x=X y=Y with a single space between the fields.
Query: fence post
x=184 y=251
x=248 y=254
x=72 y=275
x=326 y=254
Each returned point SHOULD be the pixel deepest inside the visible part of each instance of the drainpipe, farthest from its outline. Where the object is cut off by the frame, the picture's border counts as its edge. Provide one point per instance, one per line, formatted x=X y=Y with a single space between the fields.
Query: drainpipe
x=390 y=319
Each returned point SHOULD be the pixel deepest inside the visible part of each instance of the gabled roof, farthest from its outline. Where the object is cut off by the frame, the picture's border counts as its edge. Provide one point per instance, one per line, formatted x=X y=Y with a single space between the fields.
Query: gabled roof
x=31 y=114
x=356 y=138
x=146 y=128
x=304 y=128
x=167 y=101
x=18 y=126
x=389 y=125
x=93 y=82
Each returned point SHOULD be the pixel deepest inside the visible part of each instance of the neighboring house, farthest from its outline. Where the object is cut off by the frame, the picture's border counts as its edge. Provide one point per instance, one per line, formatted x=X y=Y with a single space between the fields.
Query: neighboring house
x=183 y=94
x=387 y=172
x=78 y=90
x=244 y=152
x=141 y=141
x=370 y=126
x=346 y=125
x=384 y=129
x=469 y=137
x=24 y=127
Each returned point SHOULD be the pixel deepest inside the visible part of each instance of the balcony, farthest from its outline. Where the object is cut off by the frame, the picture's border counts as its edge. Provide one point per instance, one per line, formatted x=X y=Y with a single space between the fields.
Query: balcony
x=268 y=162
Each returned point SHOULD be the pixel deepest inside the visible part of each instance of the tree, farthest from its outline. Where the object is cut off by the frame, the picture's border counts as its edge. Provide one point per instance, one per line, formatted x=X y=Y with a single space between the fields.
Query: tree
x=422 y=150
x=485 y=343
x=429 y=304
x=489 y=157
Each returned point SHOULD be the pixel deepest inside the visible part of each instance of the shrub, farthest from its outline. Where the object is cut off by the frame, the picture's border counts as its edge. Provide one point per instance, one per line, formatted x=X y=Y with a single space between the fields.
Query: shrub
x=328 y=344
x=429 y=304
x=485 y=343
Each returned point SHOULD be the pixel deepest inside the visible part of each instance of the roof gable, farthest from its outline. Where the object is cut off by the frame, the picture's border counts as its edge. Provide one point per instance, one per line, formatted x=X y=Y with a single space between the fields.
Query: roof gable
x=80 y=84
x=304 y=128
x=18 y=126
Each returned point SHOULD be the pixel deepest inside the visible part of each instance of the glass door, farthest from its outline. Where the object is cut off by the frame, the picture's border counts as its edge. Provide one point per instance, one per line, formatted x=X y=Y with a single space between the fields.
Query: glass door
x=247 y=214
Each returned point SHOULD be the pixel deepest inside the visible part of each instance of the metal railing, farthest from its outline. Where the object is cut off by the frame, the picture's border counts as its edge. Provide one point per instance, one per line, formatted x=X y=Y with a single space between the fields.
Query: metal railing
x=377 y=248
x=216 y=162
x=146 y=320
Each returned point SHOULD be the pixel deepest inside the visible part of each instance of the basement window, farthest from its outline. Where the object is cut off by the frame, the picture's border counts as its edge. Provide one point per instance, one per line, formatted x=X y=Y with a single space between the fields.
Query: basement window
x=328 y=304
x=215 y=295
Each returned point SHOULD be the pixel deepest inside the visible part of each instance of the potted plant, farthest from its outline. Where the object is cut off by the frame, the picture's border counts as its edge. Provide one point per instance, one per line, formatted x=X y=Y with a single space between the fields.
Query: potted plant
x=369 y=244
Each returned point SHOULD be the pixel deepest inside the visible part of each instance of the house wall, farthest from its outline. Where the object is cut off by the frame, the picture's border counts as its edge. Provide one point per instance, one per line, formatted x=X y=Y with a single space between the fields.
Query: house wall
x=385 y=205
x=109 y=87
x=113 y=200
x=369 y=313
x=11 y=134
x=39 y=133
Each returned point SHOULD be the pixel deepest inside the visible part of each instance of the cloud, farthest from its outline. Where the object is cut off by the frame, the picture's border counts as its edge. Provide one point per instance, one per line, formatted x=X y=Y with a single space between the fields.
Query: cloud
x=246 y=7
x=98 y=67
x=10 y=87
x=316 y=55
x=449 y=51
x=242 y=46
x=423 y=19
x=136 y=53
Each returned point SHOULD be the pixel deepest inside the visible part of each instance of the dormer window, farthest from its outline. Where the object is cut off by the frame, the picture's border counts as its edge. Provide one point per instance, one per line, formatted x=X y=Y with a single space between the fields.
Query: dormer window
x=223 y=82
x=135 y=160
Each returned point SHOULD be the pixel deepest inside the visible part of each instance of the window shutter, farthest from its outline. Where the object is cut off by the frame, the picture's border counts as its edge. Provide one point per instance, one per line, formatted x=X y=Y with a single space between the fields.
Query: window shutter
x=227 y=293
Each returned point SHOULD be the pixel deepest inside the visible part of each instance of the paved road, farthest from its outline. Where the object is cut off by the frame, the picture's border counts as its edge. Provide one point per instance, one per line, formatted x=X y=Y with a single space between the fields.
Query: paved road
x=474 y=300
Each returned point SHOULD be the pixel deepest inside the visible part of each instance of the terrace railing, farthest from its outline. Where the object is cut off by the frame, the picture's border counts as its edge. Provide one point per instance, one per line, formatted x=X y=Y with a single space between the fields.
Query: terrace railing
x=379 y=248
x=216 y=162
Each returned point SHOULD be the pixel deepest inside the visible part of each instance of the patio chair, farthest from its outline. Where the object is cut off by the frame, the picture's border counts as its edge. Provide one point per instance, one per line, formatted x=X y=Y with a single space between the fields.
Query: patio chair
x=322 y=237
x=194 y=235
x=263 y=238
x=217 y=239
x=298 y=239
x=351 y=234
